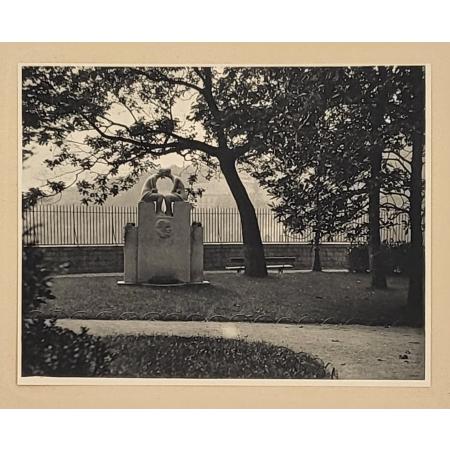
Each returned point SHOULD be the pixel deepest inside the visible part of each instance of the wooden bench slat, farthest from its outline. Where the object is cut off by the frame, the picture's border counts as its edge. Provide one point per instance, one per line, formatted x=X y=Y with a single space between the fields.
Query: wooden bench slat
x=279 y=267
x=271 y=266
x=268 y=260
x=284 y=262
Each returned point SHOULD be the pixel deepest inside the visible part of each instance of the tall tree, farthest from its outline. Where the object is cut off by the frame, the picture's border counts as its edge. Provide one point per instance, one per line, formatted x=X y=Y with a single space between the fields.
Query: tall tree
x=348 y=116
x=403 y=164
x=346 y=152
x=309 y=176
x=373 y=97
x=373 y=93
x=112 y=123
x=412 y=99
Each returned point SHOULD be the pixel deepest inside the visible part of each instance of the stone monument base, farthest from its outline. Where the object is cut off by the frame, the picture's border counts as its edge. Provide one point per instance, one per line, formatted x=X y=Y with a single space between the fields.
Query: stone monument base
x=163 y=250
x=190 y=283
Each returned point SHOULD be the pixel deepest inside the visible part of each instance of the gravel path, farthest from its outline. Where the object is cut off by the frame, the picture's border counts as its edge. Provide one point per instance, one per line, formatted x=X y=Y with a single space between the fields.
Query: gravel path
x=357 y=352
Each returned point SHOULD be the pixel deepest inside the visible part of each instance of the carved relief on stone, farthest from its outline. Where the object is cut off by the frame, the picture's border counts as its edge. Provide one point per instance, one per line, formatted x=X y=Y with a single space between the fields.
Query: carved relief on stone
x=163 y=228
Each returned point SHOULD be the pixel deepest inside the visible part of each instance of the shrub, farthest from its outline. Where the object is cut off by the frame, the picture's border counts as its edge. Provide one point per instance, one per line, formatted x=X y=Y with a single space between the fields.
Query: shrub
x=49 y=350
x=202 y=357
x=359 y=259
x=394 y=254
x=36 y=280
x=399 y=257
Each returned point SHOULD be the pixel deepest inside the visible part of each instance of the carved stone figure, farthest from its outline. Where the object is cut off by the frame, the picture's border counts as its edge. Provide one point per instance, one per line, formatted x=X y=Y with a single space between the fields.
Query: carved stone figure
x=163 y=248
x=150 y=191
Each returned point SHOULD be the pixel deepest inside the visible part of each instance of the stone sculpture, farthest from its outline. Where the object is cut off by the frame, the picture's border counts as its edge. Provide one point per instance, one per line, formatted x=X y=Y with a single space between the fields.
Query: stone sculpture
x=164 y=248
x=150 y=191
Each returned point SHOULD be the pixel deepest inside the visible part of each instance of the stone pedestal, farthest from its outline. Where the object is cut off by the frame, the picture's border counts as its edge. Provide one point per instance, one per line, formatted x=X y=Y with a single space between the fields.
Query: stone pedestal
x=163 y=249
x=130 y=254
x=196 y=253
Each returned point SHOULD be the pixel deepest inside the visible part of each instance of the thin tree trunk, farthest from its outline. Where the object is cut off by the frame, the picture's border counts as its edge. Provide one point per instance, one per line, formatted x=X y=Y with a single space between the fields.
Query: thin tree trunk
x=416 y=289
x=317 y=264
x=375 y=256
x=255 y=263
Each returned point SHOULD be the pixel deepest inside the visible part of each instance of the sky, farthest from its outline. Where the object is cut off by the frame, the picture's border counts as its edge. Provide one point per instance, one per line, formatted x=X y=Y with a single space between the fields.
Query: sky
x=36 y=173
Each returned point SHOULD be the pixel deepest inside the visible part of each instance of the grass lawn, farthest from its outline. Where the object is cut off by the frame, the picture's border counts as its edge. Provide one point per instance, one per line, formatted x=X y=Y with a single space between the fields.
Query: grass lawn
x=201 y=357
x=290 y=298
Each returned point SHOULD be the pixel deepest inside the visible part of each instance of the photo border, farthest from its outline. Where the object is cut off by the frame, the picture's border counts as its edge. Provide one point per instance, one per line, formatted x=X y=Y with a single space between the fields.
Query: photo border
x=241 y=50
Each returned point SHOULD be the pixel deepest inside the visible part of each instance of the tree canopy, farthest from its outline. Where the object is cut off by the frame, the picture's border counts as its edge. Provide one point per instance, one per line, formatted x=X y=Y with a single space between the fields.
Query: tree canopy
x=358 y=150
x=112 y=123
x=327 y=142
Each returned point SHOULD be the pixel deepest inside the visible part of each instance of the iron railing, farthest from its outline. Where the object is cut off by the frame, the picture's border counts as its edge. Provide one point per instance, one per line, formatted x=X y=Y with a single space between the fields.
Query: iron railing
x=103 y=225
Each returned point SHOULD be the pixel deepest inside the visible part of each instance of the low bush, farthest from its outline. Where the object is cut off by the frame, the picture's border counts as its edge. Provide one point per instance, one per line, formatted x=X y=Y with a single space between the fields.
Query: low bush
x=399 y=257
x=359 y=259
x=36 y=280
x=49 y=350
x=395 y=258
x=201 y=357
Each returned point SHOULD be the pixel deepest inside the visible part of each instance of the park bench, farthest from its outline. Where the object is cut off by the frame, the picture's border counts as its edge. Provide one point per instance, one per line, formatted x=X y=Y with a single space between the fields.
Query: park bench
x=279 y=263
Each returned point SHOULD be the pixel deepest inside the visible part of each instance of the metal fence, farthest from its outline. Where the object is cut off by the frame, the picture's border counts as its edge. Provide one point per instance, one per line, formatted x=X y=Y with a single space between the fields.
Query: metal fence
x=103 y=225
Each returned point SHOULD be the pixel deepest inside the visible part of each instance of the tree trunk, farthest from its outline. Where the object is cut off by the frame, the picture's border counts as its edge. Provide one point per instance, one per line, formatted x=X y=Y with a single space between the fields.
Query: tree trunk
x=317 y=264
x=416 y=289
x=255 y=263
x=375 y=256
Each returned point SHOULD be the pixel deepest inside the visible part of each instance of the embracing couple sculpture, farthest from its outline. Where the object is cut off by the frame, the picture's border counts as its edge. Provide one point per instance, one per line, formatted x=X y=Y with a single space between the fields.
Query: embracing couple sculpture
x=150 y=191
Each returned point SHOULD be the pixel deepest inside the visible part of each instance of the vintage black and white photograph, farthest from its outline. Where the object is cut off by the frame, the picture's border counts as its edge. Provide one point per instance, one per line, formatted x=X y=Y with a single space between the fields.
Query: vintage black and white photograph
x=224 y=222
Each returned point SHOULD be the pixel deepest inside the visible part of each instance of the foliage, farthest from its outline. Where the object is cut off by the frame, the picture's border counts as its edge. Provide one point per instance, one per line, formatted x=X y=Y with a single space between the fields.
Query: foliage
x=201 y=357
x=112 y=123
x=308 y=173
x=337 y=136
x=394 y=258
x=36 y=280
x=358 y=259
x=350 y=155
x=400 y=261
x=49 y=350
x=319 y=170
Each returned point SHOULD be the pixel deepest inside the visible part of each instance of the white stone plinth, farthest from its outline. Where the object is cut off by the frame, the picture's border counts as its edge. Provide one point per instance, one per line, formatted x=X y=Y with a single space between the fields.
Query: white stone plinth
x=163 y=244
x=196 y=253
x=130 y=254
x=163 y=249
